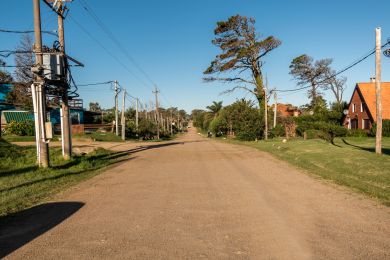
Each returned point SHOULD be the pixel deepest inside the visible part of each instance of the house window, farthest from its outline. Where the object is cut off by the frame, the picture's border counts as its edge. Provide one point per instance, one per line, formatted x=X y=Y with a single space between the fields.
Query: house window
x=366 y=124
x=354 y=123
x=353 y=108
x=362 y=105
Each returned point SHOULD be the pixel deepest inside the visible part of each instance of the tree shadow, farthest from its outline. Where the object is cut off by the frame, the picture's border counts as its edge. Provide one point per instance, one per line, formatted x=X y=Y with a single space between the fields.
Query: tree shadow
x=368 y=149
x=20 y=228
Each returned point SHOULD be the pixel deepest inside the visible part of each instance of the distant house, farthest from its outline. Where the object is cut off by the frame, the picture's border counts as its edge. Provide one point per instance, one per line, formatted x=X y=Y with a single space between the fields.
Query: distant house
x=362 y=107
x=287 y=110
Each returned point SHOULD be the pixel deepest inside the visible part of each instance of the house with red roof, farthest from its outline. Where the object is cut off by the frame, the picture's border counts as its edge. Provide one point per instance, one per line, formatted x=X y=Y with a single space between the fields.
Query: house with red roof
x=362 y=106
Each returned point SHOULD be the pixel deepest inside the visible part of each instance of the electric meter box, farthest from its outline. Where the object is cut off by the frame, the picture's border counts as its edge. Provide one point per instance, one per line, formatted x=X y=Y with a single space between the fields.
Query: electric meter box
x=53 y=65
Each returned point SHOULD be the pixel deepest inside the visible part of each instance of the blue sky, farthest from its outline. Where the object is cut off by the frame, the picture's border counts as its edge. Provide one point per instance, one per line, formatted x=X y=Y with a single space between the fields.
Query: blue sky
x=171 y=41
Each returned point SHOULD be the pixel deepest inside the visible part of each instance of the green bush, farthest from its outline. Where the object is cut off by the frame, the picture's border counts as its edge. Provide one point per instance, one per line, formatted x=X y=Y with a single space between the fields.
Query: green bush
x=385 y=128
x=278 y=131
x=23 y=128
x=146 y=129
x=313 y=134
x=357 y=133
x=218 y=126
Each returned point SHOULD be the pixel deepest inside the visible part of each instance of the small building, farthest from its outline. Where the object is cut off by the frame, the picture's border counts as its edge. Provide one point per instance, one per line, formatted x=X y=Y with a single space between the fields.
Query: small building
x=287 y=110
x=362 y=106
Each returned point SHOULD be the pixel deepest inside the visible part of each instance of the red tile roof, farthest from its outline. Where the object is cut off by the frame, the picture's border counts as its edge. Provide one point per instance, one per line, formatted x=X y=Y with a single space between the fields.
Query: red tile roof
x=368 y=92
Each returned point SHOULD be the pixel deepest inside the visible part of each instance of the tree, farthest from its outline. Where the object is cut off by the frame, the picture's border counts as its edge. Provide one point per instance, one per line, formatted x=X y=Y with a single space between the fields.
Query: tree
x=24 y=58
x=215 y=108
x=241 y=57
x=306 y=71
x=5 y=77
x=336 y=85
x=20 y=94
x=94 y=107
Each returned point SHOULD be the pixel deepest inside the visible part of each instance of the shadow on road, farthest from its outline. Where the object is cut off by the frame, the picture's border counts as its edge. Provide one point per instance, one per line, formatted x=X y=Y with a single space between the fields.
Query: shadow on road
x=147 y=147
x=20 y=228
x=368 y=149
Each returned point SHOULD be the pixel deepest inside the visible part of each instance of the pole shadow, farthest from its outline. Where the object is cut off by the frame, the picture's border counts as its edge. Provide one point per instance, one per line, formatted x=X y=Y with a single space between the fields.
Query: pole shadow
x=368 y=149
x=20 y=228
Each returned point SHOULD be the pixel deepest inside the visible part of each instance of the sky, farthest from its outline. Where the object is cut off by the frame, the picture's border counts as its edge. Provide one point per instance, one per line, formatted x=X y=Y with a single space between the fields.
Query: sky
x=170 y=43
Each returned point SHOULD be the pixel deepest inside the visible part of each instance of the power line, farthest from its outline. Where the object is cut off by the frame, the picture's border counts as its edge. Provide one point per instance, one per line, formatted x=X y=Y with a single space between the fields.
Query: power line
x=9 y=53
x=103 y=47
x=337 y=73
x=112 y=37
x=54 y=32
x=95 y=84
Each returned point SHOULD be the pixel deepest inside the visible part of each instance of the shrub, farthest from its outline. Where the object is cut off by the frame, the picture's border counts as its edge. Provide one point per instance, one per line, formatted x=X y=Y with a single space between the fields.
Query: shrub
x=23 y=128
x=278 y=131
x=146 y=129
x=357 y=133
x=246 y=135
x=218 y=126
x=385 y=128
x=313 y=134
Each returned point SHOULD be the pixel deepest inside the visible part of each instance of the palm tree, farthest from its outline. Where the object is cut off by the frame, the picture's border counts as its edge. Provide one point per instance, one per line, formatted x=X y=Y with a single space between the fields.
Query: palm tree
x=215 y=108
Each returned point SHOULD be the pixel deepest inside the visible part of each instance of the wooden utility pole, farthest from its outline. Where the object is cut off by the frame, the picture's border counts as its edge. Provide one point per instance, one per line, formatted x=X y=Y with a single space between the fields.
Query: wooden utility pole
x=275 y=107
x=378 y=47
x=136 y=114
x=65 y=122
x=123 y=118
x=116 y=89
x=171 y=122
x=156 y=91
x=178 y=121
x=266 y=110
x=40 y=96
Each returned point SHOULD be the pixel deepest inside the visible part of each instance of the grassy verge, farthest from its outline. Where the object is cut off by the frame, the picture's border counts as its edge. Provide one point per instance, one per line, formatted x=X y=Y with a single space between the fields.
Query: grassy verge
x=15 y=138
x=99 y=136
x=351 y=162
x=23 y=184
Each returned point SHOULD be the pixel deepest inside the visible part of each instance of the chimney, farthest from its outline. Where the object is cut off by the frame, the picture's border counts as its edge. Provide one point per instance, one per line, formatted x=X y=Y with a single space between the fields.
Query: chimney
x=372 y=79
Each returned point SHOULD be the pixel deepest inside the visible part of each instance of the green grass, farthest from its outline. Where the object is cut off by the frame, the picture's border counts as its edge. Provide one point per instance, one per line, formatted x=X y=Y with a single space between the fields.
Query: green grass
x=351 y=162
x=15 y=138
x=100 y=137
x=23 y=184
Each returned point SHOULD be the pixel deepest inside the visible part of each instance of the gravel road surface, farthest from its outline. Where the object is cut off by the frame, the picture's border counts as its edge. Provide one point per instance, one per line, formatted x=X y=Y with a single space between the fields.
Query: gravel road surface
x=194 y=198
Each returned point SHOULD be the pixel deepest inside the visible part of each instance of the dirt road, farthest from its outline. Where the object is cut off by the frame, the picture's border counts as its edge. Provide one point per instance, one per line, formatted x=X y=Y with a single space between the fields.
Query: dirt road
x=199 y=199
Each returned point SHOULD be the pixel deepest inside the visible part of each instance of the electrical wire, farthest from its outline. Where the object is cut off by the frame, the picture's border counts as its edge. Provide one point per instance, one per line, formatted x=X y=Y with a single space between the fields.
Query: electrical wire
x=54 y=32
x=95 y=84
x=112 y=37
x=9 y=53
x=337 y=73
x=104 y=48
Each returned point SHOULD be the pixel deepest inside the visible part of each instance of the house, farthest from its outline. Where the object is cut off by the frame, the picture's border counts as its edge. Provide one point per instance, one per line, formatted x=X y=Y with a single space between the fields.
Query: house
x=287 y=110
x=361 y=112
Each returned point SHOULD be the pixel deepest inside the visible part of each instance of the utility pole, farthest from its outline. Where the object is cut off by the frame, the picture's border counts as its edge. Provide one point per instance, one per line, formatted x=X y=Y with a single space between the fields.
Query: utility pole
x=136 y=114
x=266 y=110
x=65 y=122
x=378 y=46
x=156 y=91
x=40 y=96
x=123 y=119
x=116 y=89
x=171 y=122
x=275 y=107
x=178 y=121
